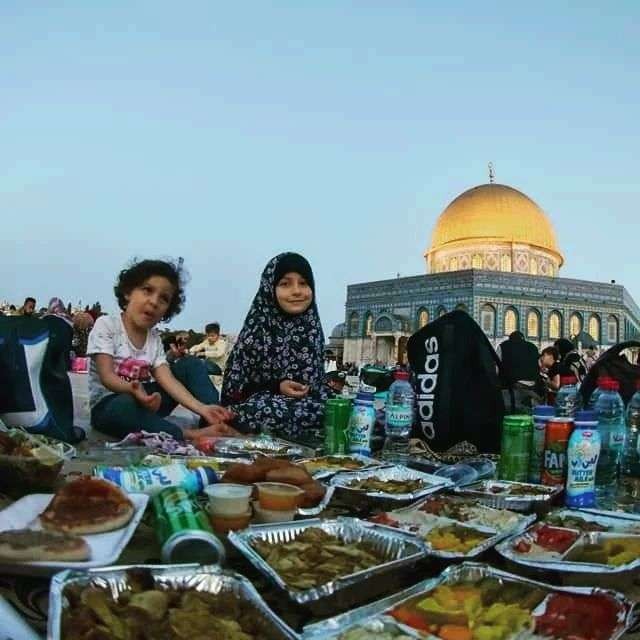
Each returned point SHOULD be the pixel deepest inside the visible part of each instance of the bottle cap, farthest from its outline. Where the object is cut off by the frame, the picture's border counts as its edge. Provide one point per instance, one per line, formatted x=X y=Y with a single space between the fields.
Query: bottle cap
x=638 y=384
x=543 y=410
x=207 y=475
x=609 y=384
x=586 y=416
x=400 y=374
x=564 y=380
x=364 y=396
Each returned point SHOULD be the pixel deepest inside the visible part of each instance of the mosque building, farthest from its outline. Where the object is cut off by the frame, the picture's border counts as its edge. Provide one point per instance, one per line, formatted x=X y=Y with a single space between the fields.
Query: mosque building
x=494 y=254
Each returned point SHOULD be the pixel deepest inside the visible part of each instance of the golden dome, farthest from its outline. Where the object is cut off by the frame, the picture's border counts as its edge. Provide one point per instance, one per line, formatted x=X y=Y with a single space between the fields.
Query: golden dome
x=494 y=213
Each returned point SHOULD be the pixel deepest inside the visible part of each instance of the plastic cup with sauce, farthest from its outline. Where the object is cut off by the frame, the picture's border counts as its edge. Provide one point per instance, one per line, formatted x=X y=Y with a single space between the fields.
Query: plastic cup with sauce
x=265 y=516
x=226 y=499
x=278 y=496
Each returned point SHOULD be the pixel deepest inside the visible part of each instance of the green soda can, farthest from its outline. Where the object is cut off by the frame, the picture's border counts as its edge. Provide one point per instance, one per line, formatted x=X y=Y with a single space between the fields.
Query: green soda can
x=515 y=448
x=330 y=443
x=343 y=413
x=183 y=530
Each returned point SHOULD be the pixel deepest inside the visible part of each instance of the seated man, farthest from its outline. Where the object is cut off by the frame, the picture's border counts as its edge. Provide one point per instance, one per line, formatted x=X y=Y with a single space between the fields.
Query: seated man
x=213 y=349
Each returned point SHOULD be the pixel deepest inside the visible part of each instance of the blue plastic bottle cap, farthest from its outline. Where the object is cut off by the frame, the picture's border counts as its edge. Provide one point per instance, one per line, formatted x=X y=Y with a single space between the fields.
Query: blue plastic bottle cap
x=210 y=476
x=365 y=396
x=586 y=416
x=543 y=410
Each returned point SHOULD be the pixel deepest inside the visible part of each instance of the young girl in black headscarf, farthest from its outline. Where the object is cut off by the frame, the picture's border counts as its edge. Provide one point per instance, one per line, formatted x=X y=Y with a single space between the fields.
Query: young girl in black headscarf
x=273 y=379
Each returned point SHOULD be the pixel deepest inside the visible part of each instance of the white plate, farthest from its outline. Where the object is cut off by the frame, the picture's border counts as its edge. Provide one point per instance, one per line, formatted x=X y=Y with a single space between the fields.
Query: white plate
x=105 y=547
x=14 y=626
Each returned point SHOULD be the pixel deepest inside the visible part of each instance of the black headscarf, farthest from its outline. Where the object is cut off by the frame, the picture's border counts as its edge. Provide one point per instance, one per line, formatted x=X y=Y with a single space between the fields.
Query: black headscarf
x=275 y=346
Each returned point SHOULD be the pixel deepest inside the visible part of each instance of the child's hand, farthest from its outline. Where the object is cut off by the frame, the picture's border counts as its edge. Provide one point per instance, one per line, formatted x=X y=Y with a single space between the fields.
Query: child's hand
x=150 y=402
x=214 y=413
x=293 y=389
x=219 y=430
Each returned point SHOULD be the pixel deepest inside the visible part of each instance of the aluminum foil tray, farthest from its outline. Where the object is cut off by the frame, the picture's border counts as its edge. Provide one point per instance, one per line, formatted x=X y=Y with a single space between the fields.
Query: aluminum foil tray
x=320 y=507
x=485 y=516
x=255 y=446
x=558 y=561
x=431 y=522
x=466 y=572
x=486 y=492
x=398 y=549
x=367 y=463
x=615 y=521
x=432 y=483
x=191 y=576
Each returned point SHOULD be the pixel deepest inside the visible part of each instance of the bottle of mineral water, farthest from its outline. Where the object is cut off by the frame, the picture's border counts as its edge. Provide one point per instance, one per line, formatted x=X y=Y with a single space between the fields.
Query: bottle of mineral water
x=568 y=398
x=399 y=414
x=595 y=394
x=610 y=410
x=631 y=456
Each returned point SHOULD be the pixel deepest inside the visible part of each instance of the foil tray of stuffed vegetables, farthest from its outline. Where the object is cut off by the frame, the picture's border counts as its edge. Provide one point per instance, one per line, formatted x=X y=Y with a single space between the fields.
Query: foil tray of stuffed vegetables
x=475 y=601
x=193 y=602
x=394 y=484
x=314 y=559
x=517 y=496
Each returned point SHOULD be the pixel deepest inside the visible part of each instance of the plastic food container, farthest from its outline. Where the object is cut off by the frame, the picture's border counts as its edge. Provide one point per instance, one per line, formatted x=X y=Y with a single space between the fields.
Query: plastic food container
x=228 y=499
x=278 y=496
x=224 y=524
x=268 y=516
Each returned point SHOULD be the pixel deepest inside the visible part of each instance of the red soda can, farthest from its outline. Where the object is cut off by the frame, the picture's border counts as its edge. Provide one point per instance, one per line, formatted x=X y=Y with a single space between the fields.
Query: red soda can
x=554 y=465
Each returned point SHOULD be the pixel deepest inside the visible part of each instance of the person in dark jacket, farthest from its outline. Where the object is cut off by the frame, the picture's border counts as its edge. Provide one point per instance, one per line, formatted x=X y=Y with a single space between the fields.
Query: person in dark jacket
x=570 y=362
x=521 y=372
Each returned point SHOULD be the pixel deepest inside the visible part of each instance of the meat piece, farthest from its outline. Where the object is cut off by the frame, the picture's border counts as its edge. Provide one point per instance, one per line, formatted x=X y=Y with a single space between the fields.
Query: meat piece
x=290 y=475
x=244 y=474
x=313 y=494
x=268 y=464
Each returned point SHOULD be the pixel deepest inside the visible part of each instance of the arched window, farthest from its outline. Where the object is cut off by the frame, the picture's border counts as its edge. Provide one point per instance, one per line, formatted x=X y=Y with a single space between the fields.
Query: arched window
x=555 y=324
x=354 y=321
x=594 y=327
x=383 y=325
x=612 y=329
x=476 y=261
x=533 y=267
x=575 y=324
x=368 y=324
x=533 y=324
x=505 y=263
x=441 y=311
x=453 y=264
x=423 y=318
x=488 y=319
x=510 y=321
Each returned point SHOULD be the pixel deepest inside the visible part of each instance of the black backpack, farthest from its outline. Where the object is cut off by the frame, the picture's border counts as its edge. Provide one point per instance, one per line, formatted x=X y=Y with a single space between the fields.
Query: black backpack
x=457 y=381
x=35 y=391
x=611 y=363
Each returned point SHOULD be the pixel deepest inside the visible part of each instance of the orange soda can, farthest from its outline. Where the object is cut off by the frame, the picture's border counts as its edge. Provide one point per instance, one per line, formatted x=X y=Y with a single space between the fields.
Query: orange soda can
x=554 y=462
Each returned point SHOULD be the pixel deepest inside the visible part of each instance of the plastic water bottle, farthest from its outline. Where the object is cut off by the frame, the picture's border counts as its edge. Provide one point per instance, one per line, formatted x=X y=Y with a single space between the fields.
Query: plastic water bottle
x=631 y=456
x=583 y=452
x=152 y=480
x=610 y=410
x=568 y=399
x=399 y=413
x=595 y=394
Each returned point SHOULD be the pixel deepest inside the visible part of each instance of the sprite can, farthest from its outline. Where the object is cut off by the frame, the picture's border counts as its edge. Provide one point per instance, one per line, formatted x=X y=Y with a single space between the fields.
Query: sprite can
x=336 y=425
x=183 y=530
x=515 y=448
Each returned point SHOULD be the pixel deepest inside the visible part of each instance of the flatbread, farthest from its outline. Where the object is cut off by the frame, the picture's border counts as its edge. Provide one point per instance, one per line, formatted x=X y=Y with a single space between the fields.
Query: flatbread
x=88 y=505
x=24 y=545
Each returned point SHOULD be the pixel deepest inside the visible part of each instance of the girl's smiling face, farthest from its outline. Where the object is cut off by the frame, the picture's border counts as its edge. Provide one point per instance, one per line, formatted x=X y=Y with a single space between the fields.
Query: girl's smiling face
x=293 y=294
x=147 y=303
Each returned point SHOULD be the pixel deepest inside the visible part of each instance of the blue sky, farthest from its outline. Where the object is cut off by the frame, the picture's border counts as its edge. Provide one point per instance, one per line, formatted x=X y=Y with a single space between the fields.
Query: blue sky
x=228 y=132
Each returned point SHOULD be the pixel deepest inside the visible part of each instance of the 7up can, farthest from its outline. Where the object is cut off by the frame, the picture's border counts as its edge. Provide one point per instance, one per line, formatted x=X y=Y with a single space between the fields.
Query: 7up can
x=515 y=448
x=183 y=530
x=554 y=464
